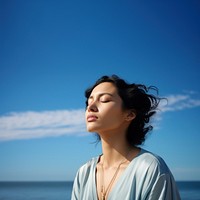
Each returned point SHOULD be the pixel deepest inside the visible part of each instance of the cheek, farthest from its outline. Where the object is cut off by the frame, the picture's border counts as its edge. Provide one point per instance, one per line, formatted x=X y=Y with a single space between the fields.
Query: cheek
x=113 y=115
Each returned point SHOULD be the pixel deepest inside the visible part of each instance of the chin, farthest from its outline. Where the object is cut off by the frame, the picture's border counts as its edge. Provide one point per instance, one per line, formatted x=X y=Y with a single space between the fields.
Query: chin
x=91 y=129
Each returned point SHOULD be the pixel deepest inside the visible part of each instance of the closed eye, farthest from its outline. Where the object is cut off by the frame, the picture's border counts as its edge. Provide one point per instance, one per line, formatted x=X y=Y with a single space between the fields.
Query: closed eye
x=105 y=101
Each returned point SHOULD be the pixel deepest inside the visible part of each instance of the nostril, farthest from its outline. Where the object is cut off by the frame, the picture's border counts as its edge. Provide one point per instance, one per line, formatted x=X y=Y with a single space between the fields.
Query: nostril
x=92 y=108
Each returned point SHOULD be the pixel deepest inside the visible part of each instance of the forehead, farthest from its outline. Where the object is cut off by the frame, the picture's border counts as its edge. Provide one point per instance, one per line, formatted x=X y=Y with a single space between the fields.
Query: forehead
x=105 y=87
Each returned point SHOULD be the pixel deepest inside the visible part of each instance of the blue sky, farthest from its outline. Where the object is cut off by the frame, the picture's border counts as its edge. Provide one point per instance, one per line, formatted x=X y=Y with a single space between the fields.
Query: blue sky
x=51 y=51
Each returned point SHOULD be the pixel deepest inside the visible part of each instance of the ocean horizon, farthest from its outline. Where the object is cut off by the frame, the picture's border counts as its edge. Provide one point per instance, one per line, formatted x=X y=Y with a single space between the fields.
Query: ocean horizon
x=61 y=190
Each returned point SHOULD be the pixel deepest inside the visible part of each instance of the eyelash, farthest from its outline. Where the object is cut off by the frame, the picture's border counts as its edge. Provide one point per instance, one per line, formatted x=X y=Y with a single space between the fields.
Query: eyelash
x=105 y=101
x=102 y=101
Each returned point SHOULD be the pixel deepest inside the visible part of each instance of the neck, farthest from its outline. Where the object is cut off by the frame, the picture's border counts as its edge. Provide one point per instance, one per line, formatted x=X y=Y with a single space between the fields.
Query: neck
x=115 y=150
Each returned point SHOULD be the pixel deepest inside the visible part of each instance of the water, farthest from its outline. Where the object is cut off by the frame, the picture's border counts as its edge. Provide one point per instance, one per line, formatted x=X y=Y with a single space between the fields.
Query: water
x=189 y=190
x=62 y=190
x=35 y=190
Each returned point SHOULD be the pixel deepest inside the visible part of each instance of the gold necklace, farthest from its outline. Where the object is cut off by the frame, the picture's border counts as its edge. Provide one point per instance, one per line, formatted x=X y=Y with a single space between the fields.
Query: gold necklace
x=103 y=190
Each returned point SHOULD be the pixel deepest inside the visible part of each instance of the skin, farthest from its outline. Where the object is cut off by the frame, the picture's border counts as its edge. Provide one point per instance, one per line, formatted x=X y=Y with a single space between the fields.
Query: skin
x=105 y=116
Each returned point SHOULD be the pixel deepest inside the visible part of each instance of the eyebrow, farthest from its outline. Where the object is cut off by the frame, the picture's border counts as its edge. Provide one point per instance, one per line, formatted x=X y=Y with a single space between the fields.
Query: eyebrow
x=102 y=94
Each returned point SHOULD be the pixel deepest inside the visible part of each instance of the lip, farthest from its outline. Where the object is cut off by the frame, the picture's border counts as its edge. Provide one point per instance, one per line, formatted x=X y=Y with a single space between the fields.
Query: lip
x=92 y=118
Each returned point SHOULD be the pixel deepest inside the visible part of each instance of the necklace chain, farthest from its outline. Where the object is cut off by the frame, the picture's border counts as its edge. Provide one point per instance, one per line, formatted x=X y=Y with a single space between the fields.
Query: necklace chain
x=103 y=190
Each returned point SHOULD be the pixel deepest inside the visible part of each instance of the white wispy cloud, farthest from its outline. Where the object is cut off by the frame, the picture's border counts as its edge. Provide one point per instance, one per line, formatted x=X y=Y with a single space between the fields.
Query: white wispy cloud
x=175 y=102
x=178 y=102
x=25 y=125
x=31 y=124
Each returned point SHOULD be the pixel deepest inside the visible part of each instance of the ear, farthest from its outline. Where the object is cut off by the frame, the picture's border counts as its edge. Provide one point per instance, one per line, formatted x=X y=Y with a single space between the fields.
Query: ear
x=130 y=115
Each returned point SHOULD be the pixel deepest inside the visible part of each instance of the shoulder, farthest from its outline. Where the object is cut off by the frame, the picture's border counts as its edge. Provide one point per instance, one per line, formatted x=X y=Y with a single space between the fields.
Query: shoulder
x=84 y=179
x=152 y=162
x=85 y=169
x=155 y=177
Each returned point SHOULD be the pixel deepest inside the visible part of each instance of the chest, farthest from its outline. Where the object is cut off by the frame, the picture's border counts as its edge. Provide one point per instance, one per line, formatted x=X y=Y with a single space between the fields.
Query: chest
x=106 y=179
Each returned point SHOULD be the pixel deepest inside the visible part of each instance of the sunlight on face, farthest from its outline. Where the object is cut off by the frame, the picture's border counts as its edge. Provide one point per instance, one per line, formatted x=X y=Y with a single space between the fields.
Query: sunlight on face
x=104 y=112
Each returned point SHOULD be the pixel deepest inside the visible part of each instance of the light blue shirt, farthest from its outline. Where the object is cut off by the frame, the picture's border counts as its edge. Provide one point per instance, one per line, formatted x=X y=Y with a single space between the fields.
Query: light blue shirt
x=147 y=177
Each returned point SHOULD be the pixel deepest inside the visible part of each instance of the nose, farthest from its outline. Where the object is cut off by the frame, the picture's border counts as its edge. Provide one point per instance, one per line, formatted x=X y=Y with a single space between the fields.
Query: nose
x=92 y=107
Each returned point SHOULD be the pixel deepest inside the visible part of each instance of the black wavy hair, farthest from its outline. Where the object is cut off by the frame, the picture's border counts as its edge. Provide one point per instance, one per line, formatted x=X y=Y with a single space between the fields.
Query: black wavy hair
x=135 y=97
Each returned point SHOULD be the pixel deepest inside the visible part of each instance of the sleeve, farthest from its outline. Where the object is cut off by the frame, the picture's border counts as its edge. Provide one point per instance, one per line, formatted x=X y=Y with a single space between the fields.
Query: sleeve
x=80 y=182
x=157 y=181
x=76 y=188
x=164 y=189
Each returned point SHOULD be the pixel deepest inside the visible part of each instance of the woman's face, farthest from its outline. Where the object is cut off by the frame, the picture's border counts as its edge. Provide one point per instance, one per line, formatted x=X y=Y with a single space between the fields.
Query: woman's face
x=104 y=112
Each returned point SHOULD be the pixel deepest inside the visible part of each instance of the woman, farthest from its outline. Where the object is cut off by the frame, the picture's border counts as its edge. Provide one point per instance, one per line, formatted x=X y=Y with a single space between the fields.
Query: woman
x=119 y=113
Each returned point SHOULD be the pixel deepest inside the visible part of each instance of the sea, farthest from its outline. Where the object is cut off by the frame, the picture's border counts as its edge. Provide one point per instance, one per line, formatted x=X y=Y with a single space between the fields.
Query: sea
x=189 y=190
